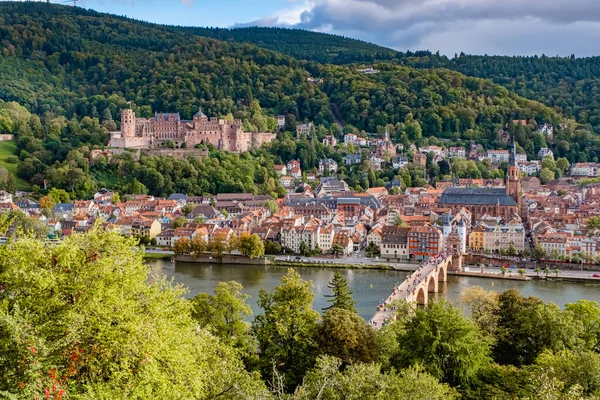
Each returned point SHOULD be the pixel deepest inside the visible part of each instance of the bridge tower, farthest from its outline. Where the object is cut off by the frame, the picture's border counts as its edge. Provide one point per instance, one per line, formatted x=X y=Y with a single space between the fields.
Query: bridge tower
x=456 y=264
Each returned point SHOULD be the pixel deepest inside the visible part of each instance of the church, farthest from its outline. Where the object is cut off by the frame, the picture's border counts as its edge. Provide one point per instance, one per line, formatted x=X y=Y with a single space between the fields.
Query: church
x=498 y=202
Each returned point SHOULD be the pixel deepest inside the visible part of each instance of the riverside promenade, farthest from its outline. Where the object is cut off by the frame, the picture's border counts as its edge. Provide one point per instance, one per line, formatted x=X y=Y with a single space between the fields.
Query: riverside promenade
x=415 y=287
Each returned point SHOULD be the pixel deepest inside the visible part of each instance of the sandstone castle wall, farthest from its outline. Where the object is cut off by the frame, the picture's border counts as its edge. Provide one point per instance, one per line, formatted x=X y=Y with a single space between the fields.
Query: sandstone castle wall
x=159 y=131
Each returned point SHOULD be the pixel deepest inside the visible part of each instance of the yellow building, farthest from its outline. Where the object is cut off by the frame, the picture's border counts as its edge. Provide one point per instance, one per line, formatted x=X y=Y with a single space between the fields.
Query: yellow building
x=476 y=238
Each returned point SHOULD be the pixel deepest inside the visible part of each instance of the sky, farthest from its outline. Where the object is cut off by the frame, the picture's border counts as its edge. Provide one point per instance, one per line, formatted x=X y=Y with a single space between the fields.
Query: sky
x=505 y=27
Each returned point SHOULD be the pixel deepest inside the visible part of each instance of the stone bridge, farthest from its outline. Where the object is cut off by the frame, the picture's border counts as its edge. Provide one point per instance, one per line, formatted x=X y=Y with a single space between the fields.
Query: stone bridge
x=417 y=286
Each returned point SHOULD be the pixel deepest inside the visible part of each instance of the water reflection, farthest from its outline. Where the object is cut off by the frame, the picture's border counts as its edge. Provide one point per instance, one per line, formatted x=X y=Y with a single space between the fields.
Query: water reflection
x=369 y=286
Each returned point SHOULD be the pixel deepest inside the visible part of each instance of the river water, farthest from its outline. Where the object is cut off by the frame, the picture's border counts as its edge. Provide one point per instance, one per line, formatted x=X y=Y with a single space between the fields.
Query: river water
x=369 y=287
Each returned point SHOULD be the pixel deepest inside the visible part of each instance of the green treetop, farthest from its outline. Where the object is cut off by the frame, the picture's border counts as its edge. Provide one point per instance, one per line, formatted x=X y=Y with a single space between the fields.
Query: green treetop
x=251 y=245
x=342 y=296
x=449 y=345
x=82 y=320
x=224 y=313
x=285 y=331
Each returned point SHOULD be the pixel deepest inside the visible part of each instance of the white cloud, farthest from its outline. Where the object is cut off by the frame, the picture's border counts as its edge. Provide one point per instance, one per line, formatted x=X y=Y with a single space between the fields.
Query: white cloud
x=473 y=26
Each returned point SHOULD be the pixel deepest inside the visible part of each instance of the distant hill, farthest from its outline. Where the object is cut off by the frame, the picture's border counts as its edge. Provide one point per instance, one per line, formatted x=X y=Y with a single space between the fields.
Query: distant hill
x=70 y=60
x=302 y=44
x=568 y=84
x=76 y=69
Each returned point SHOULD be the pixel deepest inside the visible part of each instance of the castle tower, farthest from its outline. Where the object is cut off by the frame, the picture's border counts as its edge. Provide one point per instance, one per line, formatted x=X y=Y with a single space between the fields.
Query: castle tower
x=513 y=178
x=127 y=123
x=200 y=115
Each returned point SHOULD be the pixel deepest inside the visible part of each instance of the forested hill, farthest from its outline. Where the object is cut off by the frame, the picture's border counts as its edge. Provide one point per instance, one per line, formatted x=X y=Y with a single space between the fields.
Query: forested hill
x=568 y=84
x=302 y=44
x=73 y=61
x=72 y=70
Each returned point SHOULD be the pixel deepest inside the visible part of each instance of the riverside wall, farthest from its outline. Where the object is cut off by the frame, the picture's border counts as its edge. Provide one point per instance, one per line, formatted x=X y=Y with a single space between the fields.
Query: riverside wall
x=226 y=259
x=475 y=259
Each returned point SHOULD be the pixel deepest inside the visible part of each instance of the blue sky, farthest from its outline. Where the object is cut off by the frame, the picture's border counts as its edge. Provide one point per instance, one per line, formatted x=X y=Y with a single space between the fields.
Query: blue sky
x=506 y=27
x=221 y=13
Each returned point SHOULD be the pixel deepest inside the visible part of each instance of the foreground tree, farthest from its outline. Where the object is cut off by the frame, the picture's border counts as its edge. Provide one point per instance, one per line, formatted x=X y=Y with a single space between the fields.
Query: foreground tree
x=572 y=368
x=588 y=312
x=365 y=381
x=16 y=223
x=345 y=335
x=527 y=327
x=448 y=345
x=82 y=320
x=484 y=307
x=285 y=331
x=251 y=246
x=341 y=296
x=224 y=315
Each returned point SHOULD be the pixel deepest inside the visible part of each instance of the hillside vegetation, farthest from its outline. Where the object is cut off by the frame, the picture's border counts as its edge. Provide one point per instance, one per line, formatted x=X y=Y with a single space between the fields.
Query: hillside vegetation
x=302 y=45
x=67 y=72
x=70 y=60
x=569 y=85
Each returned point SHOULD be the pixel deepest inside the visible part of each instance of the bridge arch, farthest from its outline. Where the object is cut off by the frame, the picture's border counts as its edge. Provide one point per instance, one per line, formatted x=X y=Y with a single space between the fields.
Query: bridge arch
x=422 y=296
x=442 y=275
x=432 y=284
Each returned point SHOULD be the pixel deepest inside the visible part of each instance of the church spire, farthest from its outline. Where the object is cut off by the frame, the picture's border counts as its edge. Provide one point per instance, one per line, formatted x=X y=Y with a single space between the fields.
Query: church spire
x=512 y=159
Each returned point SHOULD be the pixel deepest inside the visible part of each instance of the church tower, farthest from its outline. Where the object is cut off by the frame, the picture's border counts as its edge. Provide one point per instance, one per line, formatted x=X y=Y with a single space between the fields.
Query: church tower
x=513 y=179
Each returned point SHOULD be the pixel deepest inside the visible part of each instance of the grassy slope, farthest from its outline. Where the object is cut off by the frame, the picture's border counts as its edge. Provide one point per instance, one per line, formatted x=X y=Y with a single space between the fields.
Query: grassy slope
x=7 y=149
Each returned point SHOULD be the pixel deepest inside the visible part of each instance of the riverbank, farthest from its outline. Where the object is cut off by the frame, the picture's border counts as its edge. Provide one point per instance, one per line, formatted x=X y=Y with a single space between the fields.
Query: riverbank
x=490 y=276
x=157 y=256
x=370 y=286
x=570 y=279
x=330 y=264
x=232 y=259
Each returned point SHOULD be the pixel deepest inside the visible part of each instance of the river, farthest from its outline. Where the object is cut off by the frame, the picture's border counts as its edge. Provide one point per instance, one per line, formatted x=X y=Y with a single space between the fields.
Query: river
x=369 y=286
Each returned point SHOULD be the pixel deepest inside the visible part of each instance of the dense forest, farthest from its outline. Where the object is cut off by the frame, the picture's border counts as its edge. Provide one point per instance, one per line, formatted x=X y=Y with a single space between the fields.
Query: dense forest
x=70 y=60
x=69 y=330
x=568 y=84
x=302 y=45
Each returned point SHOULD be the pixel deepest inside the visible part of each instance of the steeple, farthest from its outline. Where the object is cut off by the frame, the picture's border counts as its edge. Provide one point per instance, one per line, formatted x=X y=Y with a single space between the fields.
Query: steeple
x=513 y=181
x=512 y=159
x=386 y=138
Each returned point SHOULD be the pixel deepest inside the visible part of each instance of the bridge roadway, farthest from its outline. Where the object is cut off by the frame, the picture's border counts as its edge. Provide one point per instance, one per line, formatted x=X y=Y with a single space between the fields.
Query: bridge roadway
x=415 y=287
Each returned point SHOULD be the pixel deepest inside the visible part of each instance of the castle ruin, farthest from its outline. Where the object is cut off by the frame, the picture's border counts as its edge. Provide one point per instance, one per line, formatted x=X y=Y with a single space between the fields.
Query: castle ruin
x=166 y=128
